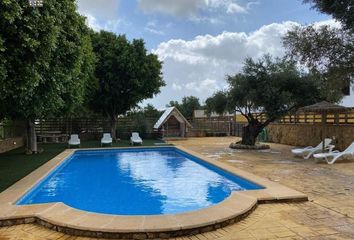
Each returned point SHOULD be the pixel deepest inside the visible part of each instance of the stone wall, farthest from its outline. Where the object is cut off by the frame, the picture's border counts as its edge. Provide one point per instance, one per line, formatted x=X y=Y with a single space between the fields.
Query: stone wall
x=11 y=143
x=310 y=134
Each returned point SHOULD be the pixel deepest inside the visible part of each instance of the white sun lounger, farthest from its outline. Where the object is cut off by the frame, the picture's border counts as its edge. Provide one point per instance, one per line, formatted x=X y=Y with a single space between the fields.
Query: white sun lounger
x=74 y=140
x=106 y=139
x=307 y=152
x=332 y=157
x=135 y=138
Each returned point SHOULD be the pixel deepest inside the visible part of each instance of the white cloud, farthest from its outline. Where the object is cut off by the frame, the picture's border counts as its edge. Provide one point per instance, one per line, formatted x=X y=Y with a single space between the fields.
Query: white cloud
x=176 y=86
x=235 y=8
x=152 y=27
x=249 y=5
x=208 y=86
x=230 y=6
x=92 y=22
x=101 y=14
x=108 y=25
x=226 y=48
x=331 y=22
x=198 y=67
x=171 y=7
x=101 y=9
x=189 y=8
x=203 y=19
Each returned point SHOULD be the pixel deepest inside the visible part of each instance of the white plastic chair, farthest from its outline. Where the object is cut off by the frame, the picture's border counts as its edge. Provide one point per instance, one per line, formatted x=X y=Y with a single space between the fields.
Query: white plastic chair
x=74 y=140
x=307 y=152
x=106 y=139
x=135 y=138
x=332 y=157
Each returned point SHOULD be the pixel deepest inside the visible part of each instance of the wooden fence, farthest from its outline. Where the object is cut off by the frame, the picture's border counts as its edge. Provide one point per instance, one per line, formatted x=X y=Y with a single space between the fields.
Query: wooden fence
x=11 y=130
x=217 y=126
x=92 y=128
x=311 y=118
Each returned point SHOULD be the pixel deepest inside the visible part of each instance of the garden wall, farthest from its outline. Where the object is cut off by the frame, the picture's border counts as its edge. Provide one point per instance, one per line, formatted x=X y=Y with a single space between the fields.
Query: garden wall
x=310 y=134
x=11 y=143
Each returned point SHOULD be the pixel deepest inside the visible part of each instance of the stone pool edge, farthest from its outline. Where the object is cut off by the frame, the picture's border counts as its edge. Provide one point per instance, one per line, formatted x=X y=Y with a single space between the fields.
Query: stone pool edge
x=62 y=218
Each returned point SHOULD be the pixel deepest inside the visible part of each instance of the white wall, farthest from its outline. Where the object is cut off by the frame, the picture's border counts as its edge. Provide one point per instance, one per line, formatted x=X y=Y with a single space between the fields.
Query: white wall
x=348 y=101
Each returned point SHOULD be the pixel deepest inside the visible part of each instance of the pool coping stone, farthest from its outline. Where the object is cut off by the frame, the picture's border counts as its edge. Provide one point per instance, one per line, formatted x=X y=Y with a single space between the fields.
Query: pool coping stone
x=63 y=218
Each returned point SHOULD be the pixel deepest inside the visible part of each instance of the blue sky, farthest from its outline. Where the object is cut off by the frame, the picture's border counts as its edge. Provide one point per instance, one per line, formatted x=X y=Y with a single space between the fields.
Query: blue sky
x=201 y=41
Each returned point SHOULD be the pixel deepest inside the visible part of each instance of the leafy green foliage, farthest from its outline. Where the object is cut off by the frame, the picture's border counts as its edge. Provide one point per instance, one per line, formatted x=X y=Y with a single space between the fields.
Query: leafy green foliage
x=44 y=54
x=266 y=90
x=143 y=118
x=271 y=88
x=126 y=73
x=327 y=52
x=217 y=103
x=149 y=111
x=46 y=59
x=187 y=107
x=341 y=10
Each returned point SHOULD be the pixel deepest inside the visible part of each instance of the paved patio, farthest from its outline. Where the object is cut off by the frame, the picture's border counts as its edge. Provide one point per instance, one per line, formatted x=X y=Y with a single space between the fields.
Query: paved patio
x=328 y=215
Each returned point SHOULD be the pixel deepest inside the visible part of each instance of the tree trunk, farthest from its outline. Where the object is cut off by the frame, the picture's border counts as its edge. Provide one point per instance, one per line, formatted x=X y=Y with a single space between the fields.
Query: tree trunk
x=31 y=136
x=250 y=133
x=114 y=128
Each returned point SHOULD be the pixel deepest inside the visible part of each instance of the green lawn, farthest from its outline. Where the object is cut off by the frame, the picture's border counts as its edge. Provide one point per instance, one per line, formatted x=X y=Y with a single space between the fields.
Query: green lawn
x=14 y=164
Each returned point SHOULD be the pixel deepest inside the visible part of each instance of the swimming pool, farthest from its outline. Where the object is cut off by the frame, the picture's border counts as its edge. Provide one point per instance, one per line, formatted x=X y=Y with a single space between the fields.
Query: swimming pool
x=144 y=181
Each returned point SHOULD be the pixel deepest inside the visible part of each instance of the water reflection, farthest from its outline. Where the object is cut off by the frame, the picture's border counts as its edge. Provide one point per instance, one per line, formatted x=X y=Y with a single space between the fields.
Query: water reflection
x=135 y=183
x=183 y=183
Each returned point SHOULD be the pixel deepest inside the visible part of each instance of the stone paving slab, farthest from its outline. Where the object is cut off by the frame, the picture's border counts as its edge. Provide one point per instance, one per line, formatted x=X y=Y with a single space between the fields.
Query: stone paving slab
x=328 y=215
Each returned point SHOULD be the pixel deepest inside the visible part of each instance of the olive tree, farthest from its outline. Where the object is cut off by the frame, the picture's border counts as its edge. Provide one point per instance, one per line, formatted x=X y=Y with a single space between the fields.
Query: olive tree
x=342 y=10
x=267 y=89
x=327 y=52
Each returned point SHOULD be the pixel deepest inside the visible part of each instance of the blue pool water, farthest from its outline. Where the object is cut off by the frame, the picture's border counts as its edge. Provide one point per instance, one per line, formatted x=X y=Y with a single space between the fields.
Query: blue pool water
x=136 y=182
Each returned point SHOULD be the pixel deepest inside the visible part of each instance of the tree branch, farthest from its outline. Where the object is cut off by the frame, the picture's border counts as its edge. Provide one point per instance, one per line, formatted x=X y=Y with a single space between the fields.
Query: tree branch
x=238 y=109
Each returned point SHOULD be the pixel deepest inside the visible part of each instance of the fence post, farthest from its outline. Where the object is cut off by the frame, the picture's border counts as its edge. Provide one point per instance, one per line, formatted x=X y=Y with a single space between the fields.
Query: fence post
x=336 y=118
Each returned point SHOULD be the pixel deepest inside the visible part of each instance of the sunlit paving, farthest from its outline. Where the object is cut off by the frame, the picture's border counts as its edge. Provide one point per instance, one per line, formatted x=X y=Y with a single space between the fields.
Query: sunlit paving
x=185 y=120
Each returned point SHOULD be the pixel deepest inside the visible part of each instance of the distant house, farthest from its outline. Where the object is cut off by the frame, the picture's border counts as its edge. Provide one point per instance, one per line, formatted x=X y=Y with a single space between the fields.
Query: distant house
x=348 y=99
x=202 y=114
x=172 y=124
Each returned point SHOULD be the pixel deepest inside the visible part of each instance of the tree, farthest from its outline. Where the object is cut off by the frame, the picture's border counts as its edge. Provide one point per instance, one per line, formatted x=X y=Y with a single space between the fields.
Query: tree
x=149 y=111
x=143 y=118
x=174 y=104
x=327 y=52
x=342 y=10
x=126 y=73
x=187 y=107
x=217 y=103
x=268 y=88
x=45 y=60
x=189 y=104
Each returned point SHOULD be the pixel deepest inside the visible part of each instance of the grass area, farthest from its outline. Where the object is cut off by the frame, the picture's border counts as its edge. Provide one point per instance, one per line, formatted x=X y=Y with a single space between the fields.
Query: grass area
x=14 y=164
